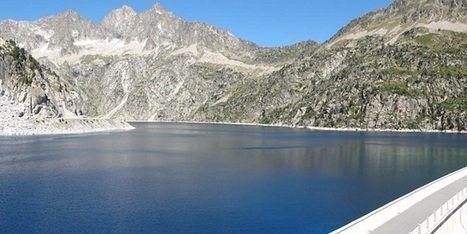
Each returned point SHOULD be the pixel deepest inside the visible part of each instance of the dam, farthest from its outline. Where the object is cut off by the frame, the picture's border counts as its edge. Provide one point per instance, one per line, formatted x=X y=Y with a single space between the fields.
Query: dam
x=438 y=207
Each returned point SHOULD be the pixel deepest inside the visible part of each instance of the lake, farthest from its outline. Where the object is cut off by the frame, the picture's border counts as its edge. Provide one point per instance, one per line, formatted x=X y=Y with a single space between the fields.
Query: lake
x=206 y=178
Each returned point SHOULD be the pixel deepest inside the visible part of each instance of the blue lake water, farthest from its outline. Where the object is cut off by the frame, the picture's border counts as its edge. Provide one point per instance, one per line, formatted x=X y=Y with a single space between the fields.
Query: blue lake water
x=202 y=178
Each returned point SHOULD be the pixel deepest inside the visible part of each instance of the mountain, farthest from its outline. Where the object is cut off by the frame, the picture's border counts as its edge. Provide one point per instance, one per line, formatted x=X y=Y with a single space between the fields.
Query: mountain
x=64 y=30
x=404 y=15
x=149 y=65
x=411 y=78
x=400 y=67
x=35 y=100
x=158 y=27
x=121 y=22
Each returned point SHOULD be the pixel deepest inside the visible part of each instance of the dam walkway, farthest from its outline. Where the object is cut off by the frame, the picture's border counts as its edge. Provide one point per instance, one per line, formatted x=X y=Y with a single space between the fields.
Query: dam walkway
x=421 y=211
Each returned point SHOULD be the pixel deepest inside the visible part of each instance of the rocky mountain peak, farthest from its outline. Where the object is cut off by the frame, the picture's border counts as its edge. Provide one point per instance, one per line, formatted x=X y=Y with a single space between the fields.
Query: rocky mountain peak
x=123 y=12
x=64 y=29
x=69 y=15
x=154 y=24
x=65 y=20
x=120 y=21
x=127 y=9
x=159 y=9
x=158 y=28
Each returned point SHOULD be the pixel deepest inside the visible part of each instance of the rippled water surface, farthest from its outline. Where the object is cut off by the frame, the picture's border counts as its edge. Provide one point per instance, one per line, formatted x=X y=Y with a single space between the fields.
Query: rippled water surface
x=201 y=178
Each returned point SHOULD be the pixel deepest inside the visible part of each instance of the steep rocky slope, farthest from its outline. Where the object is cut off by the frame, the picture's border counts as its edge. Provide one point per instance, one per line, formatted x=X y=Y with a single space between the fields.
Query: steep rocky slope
x=413 y=77
x=35 y=100
x=35 y=89
x=149 y=65
x=400 y=67
x=404 y=15
x=416 y=83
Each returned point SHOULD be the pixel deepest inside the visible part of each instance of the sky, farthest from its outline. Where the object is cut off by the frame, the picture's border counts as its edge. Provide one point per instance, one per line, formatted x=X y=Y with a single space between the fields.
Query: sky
x=264 y=22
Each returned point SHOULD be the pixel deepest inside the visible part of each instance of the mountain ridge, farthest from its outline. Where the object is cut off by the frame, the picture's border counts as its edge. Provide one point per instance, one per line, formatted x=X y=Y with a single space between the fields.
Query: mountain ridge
x=402 y=16
x=387 y=69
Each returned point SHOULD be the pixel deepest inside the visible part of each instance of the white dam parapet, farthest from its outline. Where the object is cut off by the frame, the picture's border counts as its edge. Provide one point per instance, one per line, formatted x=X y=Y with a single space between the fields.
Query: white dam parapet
x=449 y=218
x=385 y=219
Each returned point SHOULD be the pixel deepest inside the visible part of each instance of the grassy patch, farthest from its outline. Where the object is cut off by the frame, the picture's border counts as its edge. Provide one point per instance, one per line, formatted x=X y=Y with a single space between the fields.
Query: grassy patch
x=90 y=58
x=457 y=103
x=452 y=71
x=396 y=87
x=400 y=71
x=425 y=39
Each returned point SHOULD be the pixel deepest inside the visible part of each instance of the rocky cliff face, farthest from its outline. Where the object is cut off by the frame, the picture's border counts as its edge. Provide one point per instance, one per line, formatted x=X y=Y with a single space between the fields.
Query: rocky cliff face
x=417 y=83
x=33 y=90
x=35 y=100
x=411 y=78
x=400 y=67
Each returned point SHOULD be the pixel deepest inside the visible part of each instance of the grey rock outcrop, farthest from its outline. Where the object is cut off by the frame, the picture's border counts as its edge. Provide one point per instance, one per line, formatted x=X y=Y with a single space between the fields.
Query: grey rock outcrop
x=33 y=90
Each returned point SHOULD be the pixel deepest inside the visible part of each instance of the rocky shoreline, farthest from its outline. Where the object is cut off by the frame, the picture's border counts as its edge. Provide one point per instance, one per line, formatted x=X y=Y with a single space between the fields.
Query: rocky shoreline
x=384 y=130
x=18 y=126
x=312 y=127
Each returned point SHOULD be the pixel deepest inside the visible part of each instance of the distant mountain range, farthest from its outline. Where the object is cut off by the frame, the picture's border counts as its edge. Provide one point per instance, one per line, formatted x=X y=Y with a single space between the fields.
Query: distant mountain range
x=403 y=67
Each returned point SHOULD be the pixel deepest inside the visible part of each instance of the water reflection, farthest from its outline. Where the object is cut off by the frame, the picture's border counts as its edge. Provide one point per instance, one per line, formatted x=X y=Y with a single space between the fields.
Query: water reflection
x=178 y=178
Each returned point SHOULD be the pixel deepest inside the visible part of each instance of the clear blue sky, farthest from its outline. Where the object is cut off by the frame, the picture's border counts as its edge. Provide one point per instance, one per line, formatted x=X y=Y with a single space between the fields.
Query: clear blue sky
x=267 y=23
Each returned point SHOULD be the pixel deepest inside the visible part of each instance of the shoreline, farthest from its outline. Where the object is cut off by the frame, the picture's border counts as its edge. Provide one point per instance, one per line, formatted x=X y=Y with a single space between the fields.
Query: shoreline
x=313 y=128
x=62 y=126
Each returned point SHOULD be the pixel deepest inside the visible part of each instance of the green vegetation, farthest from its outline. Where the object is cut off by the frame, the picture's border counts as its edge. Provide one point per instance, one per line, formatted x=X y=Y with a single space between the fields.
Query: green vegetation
x=19 y=54
x=400 y=71
x=87 y=59
x=396 y=87
x=456 y=103
x=356 y=114
x=451 y=71
x=425 y=39
x=33 y=63
x=26 y=80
